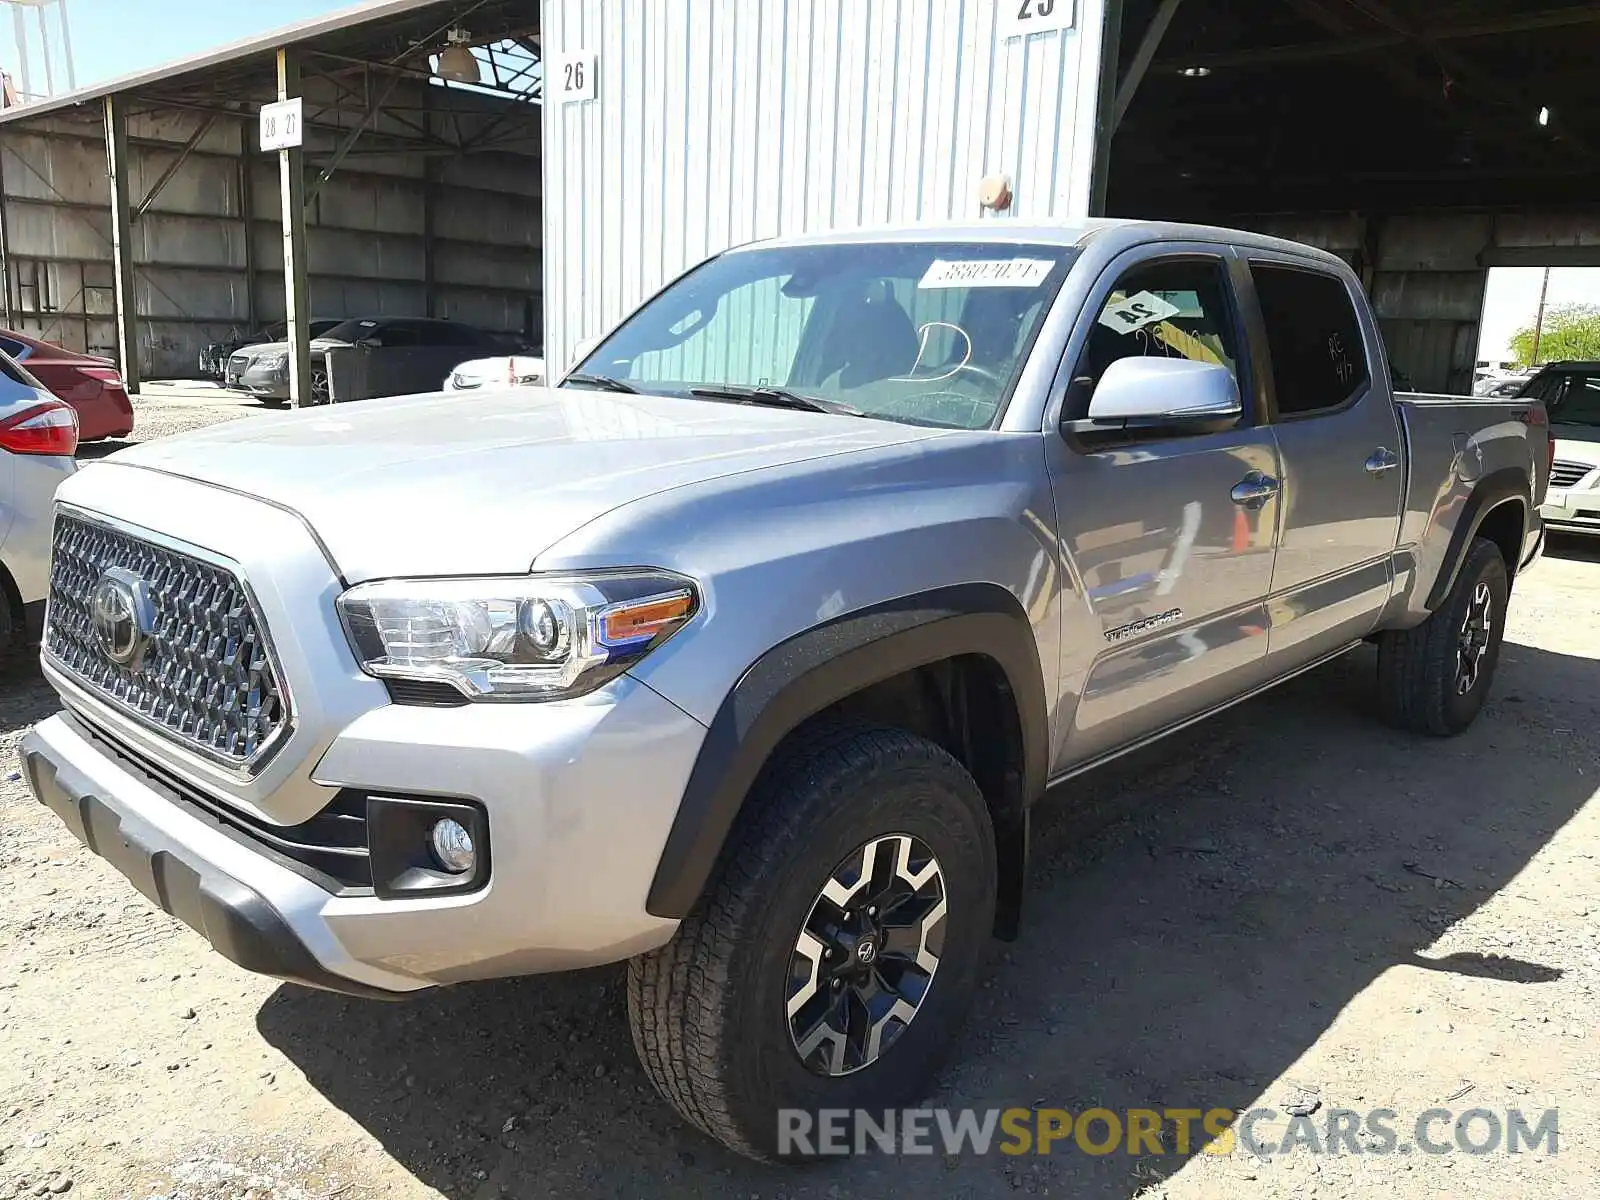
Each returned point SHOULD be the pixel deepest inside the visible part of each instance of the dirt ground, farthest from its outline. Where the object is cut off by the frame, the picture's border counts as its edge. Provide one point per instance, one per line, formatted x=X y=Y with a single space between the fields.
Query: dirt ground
x=1290 y=902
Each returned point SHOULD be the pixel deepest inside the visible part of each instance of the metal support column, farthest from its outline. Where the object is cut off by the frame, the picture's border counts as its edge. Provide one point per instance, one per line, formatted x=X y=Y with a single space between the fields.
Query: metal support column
x=292 y=183
x=119 y=168
x=247 y=215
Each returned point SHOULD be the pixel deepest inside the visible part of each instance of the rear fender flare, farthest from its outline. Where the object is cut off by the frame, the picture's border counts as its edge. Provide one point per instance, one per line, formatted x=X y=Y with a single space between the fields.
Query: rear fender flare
x=1493 y=490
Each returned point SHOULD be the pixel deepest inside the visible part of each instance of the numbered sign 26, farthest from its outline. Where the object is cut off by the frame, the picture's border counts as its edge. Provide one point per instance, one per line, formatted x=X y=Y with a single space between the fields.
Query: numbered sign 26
x=1019 y=18
x=574 y=78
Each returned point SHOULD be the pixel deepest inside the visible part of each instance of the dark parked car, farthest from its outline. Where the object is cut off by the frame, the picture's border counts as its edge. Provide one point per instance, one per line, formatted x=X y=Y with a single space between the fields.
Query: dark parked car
x=90 y=384
x=263 y=370
x=214 y=358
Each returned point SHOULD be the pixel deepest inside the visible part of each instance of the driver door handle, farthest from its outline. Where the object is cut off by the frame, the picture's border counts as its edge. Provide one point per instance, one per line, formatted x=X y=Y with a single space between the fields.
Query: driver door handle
x=1382 y=459
x=1254 y=490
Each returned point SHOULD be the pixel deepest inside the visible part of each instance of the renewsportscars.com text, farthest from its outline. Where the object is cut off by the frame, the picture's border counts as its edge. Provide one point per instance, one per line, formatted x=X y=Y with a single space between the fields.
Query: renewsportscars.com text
x=1261 y=1132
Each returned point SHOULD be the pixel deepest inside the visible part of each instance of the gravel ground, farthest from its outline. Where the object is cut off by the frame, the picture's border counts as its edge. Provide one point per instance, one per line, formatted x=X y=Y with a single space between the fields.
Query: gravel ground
x=1289 y=904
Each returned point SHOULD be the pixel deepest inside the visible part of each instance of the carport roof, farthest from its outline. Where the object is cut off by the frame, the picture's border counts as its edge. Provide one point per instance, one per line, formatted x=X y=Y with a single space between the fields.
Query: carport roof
x=376 y=28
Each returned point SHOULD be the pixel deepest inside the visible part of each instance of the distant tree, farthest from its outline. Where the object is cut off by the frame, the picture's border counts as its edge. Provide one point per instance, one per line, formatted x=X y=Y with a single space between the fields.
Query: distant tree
x=1570 y=331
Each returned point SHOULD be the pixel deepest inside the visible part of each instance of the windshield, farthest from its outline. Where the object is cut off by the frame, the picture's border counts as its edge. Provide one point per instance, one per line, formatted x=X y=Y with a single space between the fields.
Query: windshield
x=930 y=333
x=1577 y=401
x=351 y=331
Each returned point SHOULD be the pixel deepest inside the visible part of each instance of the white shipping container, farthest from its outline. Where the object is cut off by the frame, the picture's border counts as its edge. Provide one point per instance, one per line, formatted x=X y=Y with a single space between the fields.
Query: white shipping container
x=677 y=128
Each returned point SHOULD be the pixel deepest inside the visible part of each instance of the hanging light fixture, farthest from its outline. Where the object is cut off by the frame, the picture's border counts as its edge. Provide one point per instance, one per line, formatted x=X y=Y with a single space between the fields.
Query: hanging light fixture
x=457 y=62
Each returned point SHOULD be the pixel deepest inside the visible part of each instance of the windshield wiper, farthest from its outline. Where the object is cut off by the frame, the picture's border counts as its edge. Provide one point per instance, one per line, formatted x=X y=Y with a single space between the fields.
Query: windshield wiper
x=605 y=383
x=776 y=398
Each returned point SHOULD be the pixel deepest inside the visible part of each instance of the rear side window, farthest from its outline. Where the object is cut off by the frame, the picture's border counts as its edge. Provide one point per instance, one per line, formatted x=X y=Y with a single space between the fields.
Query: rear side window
x=14 y=348
x=1318 y=359
x=15 y=379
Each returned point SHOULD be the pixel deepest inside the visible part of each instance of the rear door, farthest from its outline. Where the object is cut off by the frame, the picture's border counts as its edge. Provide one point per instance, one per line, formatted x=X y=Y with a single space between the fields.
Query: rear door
x=1175 y=569
x=1342 y=454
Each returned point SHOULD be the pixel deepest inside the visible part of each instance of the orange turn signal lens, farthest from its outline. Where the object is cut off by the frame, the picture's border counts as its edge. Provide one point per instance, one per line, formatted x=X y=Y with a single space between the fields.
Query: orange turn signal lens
x=638 y=621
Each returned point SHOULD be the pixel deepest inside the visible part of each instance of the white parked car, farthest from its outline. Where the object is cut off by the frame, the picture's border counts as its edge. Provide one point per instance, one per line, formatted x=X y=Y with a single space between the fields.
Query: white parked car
x=515 y=370
x=1571 y=393
x=38 y=437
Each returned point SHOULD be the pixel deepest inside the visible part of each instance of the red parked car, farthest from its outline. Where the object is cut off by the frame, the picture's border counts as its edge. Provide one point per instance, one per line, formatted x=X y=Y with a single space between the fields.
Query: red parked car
x=89 y=383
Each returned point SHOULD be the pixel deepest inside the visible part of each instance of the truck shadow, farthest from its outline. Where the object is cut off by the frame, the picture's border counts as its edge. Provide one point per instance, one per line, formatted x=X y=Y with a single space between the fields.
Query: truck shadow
x=1200 y=915
x=1575 y=547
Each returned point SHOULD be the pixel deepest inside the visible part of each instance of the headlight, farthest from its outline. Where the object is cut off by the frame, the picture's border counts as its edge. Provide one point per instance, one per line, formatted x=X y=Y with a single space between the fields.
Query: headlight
x=465 y=383
x=515 y=638
x=268 y=362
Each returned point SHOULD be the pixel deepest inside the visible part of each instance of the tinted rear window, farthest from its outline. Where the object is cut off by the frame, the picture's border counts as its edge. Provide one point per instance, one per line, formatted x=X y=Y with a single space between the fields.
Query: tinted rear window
x=1318 y=358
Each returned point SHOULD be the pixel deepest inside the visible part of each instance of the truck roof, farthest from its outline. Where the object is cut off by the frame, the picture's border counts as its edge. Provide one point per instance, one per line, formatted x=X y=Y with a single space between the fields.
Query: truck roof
x=1118 y=231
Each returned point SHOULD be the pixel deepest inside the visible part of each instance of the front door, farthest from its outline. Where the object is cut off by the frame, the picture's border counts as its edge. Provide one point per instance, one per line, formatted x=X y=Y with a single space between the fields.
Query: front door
x=1175 y=557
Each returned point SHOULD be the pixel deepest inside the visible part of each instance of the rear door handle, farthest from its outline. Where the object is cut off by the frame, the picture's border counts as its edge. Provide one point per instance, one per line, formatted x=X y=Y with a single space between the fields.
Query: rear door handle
x=1381 y=460
x=1254 y=490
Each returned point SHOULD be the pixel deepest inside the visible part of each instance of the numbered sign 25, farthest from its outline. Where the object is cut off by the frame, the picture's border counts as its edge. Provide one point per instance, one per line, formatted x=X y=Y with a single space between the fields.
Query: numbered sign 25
x=1019 y=18
x=574 y=78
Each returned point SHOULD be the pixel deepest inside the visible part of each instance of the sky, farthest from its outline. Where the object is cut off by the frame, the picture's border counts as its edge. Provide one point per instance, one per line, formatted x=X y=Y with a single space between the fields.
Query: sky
x=1513 y=299
x=117 y=37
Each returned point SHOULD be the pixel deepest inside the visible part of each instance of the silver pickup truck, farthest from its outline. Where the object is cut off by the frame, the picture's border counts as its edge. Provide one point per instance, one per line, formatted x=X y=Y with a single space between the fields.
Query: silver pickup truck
x=744 y=654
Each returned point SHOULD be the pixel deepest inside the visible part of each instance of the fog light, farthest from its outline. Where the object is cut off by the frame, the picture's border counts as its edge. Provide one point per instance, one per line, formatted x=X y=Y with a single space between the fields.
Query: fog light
x=452 y=847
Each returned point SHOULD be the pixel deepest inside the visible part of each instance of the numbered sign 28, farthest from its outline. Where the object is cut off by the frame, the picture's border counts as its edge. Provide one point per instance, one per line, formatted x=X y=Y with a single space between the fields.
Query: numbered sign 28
x=281 y=124
x=574 y=78
x=1019 y=18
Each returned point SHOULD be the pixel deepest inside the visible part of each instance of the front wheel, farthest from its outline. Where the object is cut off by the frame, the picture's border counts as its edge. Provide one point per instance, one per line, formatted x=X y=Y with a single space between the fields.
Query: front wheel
x=1435 y=678
x=838 y=945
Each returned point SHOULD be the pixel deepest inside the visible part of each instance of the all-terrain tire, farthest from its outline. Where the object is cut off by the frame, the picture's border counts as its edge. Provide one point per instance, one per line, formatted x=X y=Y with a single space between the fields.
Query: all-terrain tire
x=709 y=1010
x=1420 y=670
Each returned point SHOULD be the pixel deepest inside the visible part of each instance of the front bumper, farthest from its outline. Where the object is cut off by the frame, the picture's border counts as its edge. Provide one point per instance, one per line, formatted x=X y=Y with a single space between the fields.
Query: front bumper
x=240 y=922
x=1573 y=510
x=271 y=383
x=579 y=798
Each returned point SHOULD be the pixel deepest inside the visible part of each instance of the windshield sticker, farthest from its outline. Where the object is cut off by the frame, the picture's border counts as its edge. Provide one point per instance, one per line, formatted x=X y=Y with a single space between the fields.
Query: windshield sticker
x=1137 y=311
x=986 y=272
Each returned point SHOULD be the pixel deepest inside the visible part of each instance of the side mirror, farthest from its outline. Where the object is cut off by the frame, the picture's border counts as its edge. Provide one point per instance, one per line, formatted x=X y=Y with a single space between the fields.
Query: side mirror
x=1157 y=392
x=584 y=347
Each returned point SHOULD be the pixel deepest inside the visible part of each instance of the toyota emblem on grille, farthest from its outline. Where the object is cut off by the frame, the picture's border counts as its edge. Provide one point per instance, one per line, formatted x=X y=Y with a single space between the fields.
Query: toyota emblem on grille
x=122 y=615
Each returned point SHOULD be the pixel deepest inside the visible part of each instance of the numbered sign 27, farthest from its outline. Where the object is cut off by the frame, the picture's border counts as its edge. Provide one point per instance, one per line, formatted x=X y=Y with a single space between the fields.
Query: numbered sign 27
x=281 y=124
x=1019 y=18
x=574 y=78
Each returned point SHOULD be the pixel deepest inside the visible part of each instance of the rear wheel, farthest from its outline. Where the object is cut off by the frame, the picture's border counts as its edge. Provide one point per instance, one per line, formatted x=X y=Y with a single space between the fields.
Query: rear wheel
x=1435 y=678
x=836 y=950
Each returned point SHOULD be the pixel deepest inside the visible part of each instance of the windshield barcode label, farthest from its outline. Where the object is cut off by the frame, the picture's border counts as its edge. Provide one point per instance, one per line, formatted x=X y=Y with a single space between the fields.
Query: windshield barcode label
x=986 y=272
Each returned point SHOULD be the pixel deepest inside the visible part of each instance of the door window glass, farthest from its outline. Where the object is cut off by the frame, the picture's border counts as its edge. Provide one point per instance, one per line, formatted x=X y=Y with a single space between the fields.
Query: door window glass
x=1319 y=360
x=1173 y=309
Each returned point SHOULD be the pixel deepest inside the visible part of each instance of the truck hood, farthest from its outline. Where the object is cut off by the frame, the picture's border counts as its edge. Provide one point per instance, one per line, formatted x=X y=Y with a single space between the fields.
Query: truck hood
x=432 y=485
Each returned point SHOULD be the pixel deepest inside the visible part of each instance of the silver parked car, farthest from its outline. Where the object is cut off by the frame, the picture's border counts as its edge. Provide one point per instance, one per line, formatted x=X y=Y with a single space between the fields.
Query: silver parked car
x=745 y=654
x=38 y=438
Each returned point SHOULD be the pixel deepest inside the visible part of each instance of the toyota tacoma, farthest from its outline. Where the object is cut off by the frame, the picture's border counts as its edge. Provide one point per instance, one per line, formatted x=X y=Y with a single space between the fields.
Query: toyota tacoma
x=744 y=653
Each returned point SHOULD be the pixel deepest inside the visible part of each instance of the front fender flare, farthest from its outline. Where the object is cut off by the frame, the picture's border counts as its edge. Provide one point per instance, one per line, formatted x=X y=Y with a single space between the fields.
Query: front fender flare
x=803 y=675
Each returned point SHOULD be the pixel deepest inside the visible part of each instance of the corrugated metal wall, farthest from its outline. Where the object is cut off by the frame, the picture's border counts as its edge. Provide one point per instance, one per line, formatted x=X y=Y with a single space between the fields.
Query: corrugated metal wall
x=215 y=228
x=717 y=122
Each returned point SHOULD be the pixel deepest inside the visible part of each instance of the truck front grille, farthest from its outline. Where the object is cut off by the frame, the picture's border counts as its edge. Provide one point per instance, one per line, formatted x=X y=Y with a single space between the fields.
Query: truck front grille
x=1565 y=474
x=200 y=672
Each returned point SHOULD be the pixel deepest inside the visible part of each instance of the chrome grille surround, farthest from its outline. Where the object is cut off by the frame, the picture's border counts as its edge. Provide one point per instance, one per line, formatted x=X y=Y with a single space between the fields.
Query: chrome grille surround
x=209 y=680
